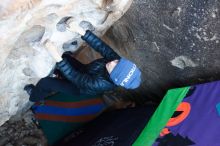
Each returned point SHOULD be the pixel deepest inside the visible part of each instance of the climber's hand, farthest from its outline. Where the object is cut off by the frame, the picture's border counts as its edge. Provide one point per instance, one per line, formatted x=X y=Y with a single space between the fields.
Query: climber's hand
x=74 y=27
x=52 y=49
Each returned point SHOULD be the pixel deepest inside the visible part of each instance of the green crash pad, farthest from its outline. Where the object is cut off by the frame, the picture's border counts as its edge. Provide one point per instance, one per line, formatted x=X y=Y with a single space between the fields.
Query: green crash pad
x=161 y=116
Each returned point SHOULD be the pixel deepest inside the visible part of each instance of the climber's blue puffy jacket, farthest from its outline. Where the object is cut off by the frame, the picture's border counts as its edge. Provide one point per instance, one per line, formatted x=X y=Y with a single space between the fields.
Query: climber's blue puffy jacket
x=95 y=79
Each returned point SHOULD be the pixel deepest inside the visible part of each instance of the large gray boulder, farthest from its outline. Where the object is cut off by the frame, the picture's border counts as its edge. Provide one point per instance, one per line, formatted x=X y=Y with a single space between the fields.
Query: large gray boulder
x=23 y=25
x=175 y=42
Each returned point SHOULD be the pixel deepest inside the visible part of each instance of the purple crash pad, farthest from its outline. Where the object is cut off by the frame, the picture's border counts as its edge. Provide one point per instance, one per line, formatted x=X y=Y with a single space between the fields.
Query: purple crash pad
x=201 y=126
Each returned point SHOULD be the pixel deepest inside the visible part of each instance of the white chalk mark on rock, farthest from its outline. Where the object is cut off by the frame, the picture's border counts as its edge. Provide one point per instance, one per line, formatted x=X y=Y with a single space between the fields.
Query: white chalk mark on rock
x=167 y=27
x=179 y=10
x=198 y=36
x=158 y=49
x=213 y=38
x=182 y=62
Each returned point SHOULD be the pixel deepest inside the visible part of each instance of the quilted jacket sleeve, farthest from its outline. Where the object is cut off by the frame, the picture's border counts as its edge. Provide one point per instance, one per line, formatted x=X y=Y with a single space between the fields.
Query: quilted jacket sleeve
x=83 y=80
x=100 y=46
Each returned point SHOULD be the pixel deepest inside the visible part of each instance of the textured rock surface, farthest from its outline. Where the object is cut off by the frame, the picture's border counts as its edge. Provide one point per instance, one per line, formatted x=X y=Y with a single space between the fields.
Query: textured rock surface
x=24 y=23
x=21 y=132
x=176 y=42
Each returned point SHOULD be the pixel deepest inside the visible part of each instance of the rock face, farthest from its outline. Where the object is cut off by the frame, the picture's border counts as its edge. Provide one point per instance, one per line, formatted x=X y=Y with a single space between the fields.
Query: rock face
x=23 y=25
x=175 y=42
x=22 y=131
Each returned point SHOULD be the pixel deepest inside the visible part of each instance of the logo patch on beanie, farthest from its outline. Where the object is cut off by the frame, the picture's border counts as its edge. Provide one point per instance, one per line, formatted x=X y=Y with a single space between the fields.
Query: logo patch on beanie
x=129 y=75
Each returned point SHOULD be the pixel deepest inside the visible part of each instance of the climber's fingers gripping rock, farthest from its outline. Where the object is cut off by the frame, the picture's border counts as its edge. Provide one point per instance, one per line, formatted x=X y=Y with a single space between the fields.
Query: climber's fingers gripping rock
x=74 y=27
x=53 y=50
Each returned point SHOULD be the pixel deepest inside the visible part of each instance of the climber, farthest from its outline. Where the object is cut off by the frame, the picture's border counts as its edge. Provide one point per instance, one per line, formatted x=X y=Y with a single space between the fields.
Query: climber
x=91 y=79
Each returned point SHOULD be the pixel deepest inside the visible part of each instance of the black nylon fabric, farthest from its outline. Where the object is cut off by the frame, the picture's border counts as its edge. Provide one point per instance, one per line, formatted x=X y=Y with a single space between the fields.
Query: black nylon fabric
x=116 y=128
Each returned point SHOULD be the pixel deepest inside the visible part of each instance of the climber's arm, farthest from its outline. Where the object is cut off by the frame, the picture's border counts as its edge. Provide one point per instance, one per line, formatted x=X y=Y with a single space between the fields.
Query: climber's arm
x=83 y=80
x=97 y=44
x=51 y=48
